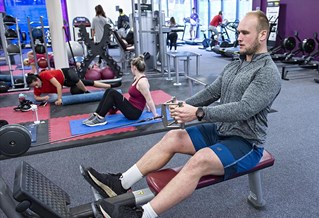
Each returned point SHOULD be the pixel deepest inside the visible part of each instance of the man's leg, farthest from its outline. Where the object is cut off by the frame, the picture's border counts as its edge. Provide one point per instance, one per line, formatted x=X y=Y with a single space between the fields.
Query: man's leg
x=191 y=32
x=175 y=141
x=204 y=162
x=96 y=84
x=101 y=85
x=81 y=86
x=71 y=78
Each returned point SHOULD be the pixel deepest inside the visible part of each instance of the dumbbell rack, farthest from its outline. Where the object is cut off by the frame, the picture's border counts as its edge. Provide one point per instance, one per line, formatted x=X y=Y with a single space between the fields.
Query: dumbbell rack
x=34 y=42
x=9 y=56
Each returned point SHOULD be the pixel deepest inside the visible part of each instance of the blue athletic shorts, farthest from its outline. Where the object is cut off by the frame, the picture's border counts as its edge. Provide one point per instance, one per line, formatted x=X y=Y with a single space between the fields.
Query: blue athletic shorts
x=236 y=154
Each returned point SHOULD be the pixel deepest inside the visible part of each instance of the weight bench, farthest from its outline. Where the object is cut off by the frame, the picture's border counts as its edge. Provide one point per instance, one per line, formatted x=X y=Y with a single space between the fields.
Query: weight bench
x=36 y=192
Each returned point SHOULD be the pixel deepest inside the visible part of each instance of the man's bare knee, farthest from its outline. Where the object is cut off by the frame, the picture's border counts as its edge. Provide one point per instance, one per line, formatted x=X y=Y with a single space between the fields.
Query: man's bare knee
x=177 y=141
x=205 y=162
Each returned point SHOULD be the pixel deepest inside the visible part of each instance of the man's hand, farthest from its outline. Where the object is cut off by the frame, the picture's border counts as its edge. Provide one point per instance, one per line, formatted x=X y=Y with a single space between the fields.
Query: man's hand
x=42 y=98
x=45 y=98
x=183 y=114
x=58 y=102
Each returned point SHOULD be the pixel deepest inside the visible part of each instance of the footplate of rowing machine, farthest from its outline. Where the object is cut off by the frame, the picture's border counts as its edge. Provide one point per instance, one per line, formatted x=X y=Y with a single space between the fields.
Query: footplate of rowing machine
x=36 y=192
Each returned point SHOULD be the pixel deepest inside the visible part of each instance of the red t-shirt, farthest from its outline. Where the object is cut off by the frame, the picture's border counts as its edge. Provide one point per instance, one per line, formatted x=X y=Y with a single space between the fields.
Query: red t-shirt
x=216 y=20
x=136 y=98
x=47 y=86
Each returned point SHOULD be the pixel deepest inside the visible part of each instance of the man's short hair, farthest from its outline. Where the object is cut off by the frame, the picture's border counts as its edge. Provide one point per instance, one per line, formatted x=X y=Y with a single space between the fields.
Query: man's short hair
x=121 y=10
x=263 y=22
x=220 y=13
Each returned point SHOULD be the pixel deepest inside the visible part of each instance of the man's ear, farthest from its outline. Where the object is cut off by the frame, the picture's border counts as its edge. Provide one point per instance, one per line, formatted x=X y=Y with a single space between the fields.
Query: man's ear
x=263 y=35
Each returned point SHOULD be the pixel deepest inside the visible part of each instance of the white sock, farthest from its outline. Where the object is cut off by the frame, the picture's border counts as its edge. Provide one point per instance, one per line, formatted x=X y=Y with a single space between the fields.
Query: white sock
x=131 y=176
x=148 y=211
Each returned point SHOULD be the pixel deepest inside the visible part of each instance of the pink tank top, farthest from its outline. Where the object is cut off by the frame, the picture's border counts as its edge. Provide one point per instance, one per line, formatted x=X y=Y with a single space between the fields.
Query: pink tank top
x=136 y=98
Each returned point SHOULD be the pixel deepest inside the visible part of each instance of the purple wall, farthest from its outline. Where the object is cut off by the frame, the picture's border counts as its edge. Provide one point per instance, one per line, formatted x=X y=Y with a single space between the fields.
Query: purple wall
x=295 y=15
x=2 y=6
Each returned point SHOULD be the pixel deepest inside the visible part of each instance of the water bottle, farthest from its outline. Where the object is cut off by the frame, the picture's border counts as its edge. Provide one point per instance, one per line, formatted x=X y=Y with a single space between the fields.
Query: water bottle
x=34 y=109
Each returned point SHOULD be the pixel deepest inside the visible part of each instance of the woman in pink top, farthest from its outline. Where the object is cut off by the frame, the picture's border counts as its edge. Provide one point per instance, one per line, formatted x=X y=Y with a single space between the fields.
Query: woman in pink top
x=132 y=108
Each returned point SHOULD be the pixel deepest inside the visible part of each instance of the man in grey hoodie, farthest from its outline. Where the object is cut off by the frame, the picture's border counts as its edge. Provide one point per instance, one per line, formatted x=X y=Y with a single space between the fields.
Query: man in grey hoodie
x=230 y=141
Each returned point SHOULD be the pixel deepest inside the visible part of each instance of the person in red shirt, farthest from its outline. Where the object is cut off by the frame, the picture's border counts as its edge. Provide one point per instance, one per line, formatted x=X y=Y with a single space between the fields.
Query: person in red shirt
x=29 y=61
x=131 y=108
x=52 y=81
x=214 y=23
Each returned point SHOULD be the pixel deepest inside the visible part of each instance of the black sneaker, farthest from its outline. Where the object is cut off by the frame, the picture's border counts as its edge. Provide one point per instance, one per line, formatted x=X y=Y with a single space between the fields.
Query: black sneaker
x=25 y=107
x=18 y=108
x=116 y=211
x=108 y=185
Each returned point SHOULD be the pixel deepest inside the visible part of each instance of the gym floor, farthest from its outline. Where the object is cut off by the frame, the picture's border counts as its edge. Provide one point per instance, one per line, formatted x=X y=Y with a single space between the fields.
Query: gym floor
x=290 y=186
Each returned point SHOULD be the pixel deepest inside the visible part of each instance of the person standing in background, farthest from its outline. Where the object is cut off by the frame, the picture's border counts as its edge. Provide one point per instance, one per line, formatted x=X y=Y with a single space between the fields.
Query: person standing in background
x=172 y=35
x=123 y=24
x=98 y=23
x=123 y=20
x=193 y=23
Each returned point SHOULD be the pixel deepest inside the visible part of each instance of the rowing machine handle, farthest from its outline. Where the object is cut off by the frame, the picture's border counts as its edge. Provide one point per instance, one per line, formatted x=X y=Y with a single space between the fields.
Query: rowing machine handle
x=165 y=119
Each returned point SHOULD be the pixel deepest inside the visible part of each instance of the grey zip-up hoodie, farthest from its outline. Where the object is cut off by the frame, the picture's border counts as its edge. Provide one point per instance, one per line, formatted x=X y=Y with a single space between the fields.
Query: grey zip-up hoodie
x=246 y=91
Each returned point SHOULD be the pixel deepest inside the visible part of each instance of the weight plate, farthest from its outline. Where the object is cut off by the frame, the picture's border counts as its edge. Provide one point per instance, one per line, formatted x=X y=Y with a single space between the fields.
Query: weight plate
x=289 y=43
x=15 y=140
x=308 y=45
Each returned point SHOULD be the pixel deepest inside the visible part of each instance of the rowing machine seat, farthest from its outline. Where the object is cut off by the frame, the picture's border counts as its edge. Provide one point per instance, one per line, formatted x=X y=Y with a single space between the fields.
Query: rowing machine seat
x=159 y=179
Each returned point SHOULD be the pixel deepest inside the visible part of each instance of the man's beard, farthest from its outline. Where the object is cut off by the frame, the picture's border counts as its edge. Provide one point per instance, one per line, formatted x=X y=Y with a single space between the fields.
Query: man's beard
x=252 y=49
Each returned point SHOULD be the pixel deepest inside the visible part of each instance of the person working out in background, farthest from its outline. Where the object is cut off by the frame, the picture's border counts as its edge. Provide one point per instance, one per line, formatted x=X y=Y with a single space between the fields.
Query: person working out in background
x=172 y=36
x=123 y=23
x=231 y=140
x=29 y=61
x=214 y=23
x=193 y=24
x=132 y=108
x=129 y=39
x=98 y=23
x=52 y=81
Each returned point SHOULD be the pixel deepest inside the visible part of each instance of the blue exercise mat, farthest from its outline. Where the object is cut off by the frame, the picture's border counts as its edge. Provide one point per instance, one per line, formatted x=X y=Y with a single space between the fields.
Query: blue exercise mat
x=114 y=121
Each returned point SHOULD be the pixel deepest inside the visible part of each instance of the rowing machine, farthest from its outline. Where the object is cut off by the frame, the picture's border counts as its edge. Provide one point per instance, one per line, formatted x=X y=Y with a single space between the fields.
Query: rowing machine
x=34 y=192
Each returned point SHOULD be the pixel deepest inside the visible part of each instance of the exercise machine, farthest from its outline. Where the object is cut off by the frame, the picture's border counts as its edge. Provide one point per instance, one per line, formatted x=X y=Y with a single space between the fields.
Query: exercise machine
x=288 y=45
x=100 y=49
x=306 y=61
x=35 y=195
x=225 y=43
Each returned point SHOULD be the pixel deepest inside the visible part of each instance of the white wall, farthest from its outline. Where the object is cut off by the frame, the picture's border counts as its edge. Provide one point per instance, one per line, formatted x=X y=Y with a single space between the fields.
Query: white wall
x=85 y=8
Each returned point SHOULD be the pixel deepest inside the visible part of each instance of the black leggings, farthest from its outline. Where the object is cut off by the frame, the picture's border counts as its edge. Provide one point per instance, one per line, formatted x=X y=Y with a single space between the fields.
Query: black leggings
x=113 y=99
x=172 y=37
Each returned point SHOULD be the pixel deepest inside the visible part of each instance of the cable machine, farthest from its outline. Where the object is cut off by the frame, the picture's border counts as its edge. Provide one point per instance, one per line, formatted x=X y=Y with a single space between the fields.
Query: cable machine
x=148 y=32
